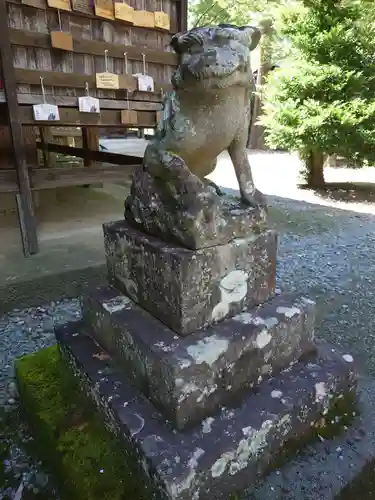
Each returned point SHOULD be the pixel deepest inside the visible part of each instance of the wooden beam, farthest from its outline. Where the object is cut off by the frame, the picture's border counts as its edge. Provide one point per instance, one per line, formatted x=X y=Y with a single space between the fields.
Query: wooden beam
x=101 y=156
x=51 y=178
x=71 y=102
x=66 y=132
x=26 y=209
x=93 y=47
x=79 y=176
x=72 y=117
x=74 y=80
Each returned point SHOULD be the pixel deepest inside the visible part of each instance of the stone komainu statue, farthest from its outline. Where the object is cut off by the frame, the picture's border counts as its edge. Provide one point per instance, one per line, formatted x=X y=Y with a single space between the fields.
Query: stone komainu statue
x=207 y=112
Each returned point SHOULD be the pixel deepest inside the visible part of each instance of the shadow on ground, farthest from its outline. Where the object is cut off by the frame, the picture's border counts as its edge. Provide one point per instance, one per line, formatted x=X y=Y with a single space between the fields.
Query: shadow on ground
x=363 y=486
x=72 y=252
x=349 y=192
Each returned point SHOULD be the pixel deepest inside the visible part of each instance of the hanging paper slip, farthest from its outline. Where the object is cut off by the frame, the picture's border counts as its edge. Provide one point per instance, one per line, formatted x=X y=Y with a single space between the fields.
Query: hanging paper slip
x=89 y=104
x=128 y=82
x=162 y=21
x=39 y=4
x=145 y=83
x=46 y=112
x=144 y=18
x=107 y=81
x=62 y=40
x=104 y=8
x=60 y=4
x=84 y=6
x=124 y=12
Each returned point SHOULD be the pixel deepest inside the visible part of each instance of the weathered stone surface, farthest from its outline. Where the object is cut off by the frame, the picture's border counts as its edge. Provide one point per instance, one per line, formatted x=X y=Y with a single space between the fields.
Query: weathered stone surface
x=207 y=112
x=206 y=220
x=187 y=289
x=187 y=378
x=225 y=453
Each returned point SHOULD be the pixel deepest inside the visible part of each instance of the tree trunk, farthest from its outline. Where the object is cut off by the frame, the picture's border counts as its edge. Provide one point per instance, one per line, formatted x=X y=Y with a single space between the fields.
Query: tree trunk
x=313 y=171
x=256 y=132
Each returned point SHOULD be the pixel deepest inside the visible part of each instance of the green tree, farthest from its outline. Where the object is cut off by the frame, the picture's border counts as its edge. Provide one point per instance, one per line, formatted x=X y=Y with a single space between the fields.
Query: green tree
x=322 y=101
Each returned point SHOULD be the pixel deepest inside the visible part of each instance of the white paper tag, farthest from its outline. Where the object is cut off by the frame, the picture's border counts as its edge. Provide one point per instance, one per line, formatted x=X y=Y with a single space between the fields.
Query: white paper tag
x=145 y=83
x=88 y=104
x=46 y=112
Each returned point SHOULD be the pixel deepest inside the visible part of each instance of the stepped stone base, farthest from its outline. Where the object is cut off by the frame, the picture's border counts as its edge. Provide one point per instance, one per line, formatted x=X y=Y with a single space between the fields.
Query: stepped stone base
x=187 y=378
x=187 y=289
x=227 y=452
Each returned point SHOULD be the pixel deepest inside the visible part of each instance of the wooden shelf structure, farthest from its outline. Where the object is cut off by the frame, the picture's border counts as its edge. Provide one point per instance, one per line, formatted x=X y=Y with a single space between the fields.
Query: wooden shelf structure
x=96 y=45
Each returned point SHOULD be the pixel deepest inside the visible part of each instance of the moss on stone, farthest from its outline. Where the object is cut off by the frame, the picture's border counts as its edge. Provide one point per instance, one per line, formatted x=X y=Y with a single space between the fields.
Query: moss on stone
x=86 y=460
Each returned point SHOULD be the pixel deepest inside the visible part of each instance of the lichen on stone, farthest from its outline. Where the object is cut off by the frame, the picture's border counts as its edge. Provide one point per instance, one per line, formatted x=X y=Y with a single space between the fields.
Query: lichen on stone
x=208 y=350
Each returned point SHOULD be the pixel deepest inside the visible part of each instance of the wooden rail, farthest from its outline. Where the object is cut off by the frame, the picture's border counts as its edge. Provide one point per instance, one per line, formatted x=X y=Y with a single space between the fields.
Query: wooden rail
x=102 y=156
x=51 y=178
x=68 y=101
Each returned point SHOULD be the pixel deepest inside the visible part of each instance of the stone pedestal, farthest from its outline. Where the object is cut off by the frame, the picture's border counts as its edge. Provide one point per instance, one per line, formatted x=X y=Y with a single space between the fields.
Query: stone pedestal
x=188 y=289
x=204 y=373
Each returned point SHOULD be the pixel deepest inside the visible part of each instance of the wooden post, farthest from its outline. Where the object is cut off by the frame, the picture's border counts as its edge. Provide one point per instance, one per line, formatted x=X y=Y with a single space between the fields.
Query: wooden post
x=46 y=137
x=182 y=18
x=31 y=150
x=141 y=133
x=27 y=218
x=90 y=142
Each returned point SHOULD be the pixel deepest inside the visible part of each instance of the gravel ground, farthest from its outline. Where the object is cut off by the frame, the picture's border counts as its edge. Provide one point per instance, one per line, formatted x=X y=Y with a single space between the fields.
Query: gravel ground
x=23 y=332
x=324 y=252
x=330 y=255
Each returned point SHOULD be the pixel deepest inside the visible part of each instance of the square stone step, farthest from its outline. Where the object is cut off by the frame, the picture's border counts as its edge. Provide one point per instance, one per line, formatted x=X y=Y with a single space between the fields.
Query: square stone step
x=187 y=378
x=227 y=452
x=188 y=289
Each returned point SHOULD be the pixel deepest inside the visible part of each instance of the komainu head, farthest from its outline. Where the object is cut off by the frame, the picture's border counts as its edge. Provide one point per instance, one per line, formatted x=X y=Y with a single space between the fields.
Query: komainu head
x=214 y=57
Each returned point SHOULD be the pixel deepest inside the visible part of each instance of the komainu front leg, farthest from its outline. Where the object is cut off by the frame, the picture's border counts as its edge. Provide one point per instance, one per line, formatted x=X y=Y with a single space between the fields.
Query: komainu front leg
x=172 y=170
x=213 y=185
x=250 y=195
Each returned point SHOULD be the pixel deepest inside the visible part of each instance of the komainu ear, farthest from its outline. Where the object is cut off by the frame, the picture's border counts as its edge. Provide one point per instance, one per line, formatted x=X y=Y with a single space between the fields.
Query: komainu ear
x=181 y=42
x=252 y=36
x=174 y=43
x=248 y=35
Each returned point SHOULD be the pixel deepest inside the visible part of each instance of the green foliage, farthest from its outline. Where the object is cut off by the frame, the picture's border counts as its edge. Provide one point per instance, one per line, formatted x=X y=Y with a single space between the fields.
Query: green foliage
x=87 y=460
x=238 y=12
x=241 y=12
x=323 y=98
x=209 y=12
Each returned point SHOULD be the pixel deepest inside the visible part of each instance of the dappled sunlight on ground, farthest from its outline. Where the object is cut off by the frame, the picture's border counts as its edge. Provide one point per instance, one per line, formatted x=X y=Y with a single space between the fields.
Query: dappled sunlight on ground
x=277 y=174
